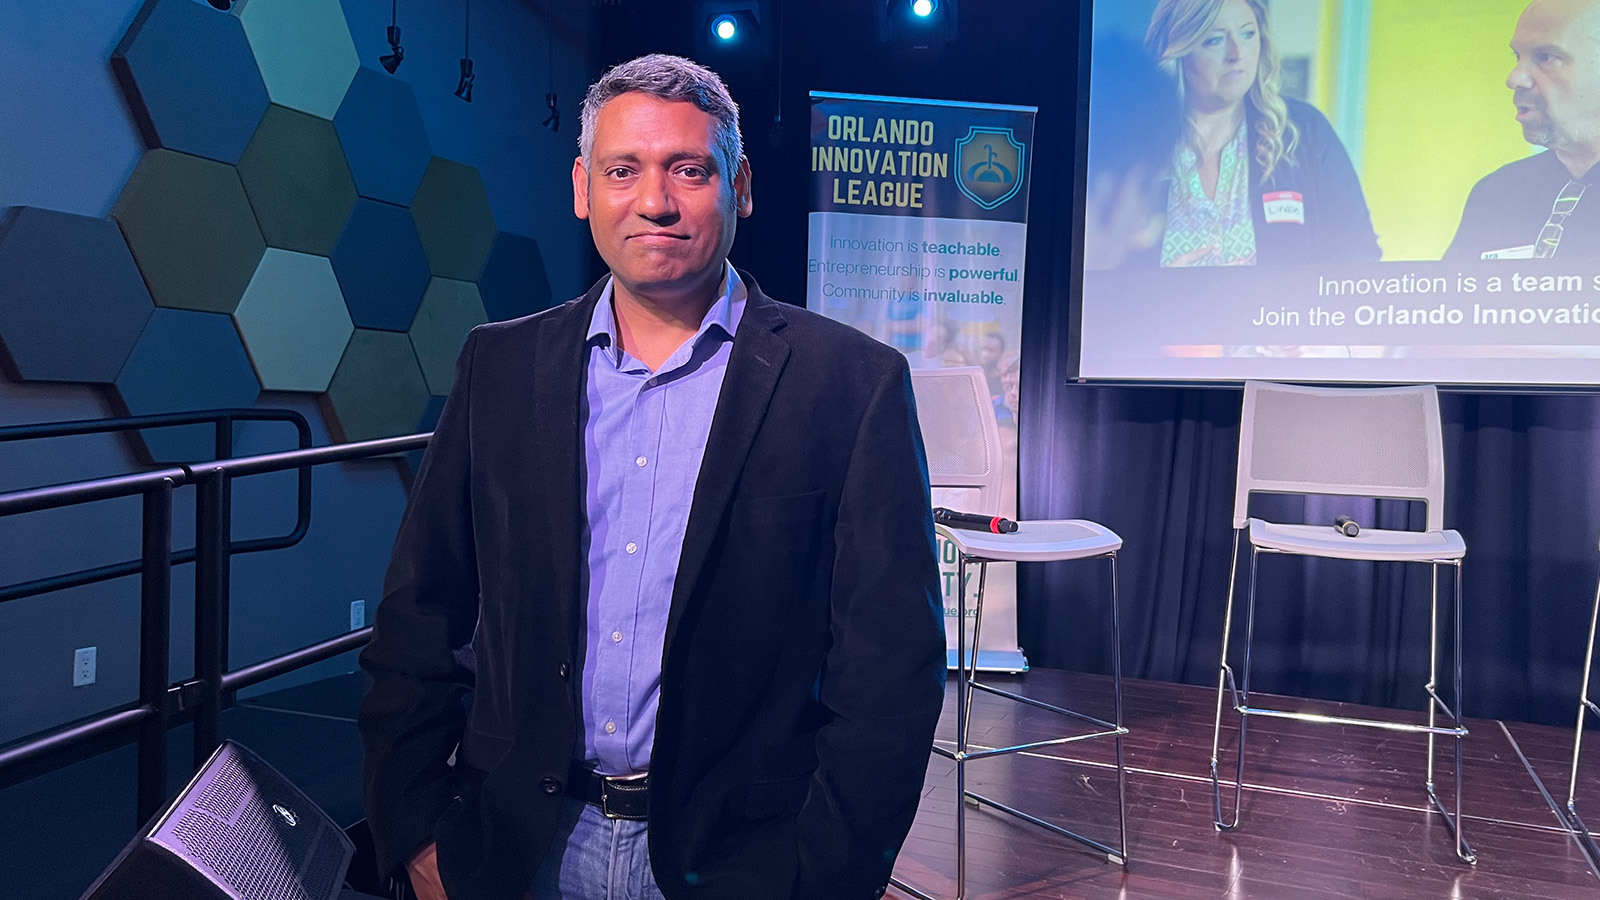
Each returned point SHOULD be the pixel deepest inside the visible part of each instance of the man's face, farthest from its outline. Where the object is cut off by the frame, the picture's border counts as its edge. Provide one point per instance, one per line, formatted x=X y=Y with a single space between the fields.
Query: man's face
x=661 y=210
x=1556 y=81
x=1219 y=72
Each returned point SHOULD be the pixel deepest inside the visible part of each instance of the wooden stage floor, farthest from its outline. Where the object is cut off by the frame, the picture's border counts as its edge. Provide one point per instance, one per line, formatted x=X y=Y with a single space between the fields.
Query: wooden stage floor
x=1329 y=811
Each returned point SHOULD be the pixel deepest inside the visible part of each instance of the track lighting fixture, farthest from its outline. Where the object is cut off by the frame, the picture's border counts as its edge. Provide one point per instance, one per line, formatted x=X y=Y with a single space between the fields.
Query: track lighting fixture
x=464 y=86
x=397 y=53
x=552 y=121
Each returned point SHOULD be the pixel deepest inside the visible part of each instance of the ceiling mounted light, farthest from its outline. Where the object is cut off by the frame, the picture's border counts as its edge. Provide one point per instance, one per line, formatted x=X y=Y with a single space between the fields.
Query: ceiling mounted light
x=397 y=53
x=464 y=86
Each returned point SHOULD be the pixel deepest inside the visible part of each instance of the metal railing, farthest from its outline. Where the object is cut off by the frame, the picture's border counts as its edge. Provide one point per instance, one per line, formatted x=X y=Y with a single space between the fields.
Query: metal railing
x=162 y=705
x=222 y=420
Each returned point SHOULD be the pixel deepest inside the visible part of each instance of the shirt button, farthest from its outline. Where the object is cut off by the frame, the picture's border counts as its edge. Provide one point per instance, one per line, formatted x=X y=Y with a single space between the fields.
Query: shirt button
x=616 y=637
x=550 y=786
x=564 y=670
x=611 y=728
x=632 y=547
x=640 y=462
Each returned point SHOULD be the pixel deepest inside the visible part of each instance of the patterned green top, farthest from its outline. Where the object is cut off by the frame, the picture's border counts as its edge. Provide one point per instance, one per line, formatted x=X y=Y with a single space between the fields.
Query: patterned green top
x=1223 y=223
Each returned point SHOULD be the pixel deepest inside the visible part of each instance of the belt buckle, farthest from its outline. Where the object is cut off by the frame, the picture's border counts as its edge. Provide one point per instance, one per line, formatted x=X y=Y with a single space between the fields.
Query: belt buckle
x=624 y=781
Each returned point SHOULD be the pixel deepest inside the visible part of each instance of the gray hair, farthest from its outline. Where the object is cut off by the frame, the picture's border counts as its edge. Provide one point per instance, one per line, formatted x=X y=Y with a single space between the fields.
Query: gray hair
x=670 y=78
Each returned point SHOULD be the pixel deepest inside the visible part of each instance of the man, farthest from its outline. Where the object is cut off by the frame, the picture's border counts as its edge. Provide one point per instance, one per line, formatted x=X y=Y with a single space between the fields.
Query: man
x=676 y=539
x=1534 y=207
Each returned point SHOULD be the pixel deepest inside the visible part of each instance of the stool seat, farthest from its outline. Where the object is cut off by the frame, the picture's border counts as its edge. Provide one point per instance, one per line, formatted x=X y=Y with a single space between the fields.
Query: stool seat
x=1370 y=544
x=1036 y=540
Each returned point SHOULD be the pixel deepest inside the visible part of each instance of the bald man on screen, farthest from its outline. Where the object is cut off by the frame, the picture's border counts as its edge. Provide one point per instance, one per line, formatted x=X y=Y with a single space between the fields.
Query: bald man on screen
x=1534 y=208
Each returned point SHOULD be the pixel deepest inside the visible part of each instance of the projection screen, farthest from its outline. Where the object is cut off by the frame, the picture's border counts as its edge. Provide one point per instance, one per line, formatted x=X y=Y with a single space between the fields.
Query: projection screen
x=1341 y=190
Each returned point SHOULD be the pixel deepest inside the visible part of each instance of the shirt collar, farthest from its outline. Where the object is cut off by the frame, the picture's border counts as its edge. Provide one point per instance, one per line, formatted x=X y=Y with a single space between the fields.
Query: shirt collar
x=725 y=313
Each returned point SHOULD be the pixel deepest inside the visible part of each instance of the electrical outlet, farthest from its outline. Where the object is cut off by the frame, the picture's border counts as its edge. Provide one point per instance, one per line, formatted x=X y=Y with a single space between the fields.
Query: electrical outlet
x=83 y=666
x=358 y=614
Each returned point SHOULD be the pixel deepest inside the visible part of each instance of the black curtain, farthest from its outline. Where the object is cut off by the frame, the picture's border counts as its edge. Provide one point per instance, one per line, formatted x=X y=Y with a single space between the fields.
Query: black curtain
x=1156 y=464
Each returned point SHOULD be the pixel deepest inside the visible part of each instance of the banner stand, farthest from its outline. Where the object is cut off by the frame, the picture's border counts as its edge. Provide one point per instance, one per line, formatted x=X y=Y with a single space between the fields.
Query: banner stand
x=918 y=235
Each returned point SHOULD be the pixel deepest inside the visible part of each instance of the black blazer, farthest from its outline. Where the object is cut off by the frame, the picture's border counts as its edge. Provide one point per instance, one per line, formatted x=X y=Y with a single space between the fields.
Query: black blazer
x=1338 y=226
x=804 y=661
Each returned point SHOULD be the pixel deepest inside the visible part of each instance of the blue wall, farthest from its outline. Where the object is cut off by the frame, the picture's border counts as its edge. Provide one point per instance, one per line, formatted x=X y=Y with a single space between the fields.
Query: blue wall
x=71 y=144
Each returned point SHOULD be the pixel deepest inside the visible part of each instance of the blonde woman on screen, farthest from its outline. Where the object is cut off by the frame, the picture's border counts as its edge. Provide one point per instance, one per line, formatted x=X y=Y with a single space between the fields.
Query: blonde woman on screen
x=1258 y=178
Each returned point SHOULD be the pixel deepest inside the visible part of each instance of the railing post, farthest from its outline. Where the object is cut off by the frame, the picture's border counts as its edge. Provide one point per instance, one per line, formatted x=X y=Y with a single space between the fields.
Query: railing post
x=155 y=622
x=224 y=448
x=210 y=601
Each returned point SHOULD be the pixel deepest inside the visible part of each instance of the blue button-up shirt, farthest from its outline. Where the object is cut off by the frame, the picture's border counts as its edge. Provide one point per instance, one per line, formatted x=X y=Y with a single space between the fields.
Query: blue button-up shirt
x=644 y=435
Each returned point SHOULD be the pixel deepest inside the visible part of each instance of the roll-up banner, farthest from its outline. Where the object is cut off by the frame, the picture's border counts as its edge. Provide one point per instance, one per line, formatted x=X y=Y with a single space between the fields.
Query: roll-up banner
x=919 y=225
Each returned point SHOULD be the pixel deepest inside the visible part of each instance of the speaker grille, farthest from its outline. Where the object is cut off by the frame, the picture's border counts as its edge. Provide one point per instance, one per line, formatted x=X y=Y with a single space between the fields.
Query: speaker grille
x=226 y=790
x=253 y=834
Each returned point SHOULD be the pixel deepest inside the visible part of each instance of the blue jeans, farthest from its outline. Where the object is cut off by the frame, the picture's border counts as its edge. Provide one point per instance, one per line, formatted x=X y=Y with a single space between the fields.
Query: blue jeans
x=595 y=858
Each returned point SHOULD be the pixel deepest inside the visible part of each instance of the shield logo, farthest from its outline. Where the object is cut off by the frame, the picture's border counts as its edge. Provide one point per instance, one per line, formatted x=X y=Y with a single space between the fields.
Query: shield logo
x=989 y=165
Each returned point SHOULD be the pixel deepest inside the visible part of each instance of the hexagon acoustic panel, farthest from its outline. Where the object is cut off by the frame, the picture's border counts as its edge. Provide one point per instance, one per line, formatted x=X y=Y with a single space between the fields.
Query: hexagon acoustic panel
x=304 y=50
x=185 y=361
x=72 y=303
x=449 y=310
x=381 y=266
x=378 y=390
x=190 y=79
x=514 y=282
x=383 y=137
x=265 y=132
x=191 y=230
x=453 y=219
x=298 y=183
x=293 y=321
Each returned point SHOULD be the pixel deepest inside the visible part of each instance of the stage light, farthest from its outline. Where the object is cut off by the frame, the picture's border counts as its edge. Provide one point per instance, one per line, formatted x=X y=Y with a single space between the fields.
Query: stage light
x=464 y=86
x=923 y=8
x=397 y=53
x=552 y=121
x=730 y=29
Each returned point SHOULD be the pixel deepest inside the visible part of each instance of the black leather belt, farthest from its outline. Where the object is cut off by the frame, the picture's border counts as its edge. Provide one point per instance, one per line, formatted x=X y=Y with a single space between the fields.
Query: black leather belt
x=624 y=797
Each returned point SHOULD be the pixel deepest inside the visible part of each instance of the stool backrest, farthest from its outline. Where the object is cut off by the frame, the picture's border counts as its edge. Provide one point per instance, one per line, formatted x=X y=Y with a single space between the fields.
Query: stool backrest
x=1355 y=442
x=956 y=415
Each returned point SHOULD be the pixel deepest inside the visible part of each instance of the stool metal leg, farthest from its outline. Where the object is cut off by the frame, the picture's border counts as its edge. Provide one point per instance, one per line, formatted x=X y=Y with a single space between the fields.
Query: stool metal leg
x=1242 y=695
x=1116 y=694
x=1585 y=707
x=1115 y=729
x=1224 y=683
x=963 y=698
x=966 y=683
x=1452 y=821
x=977 y=637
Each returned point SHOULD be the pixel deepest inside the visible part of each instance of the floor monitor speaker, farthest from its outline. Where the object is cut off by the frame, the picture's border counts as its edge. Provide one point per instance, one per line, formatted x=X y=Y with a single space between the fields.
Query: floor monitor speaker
x=238 y=831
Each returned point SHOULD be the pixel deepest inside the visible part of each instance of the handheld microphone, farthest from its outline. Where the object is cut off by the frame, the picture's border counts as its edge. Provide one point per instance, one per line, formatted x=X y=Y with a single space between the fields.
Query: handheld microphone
x=972 y=521
x=1346 y=526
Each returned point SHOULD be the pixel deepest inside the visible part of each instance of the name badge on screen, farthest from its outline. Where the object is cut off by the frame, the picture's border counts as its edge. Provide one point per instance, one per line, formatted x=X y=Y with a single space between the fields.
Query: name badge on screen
x=1523 y=252
x=1284 y=207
